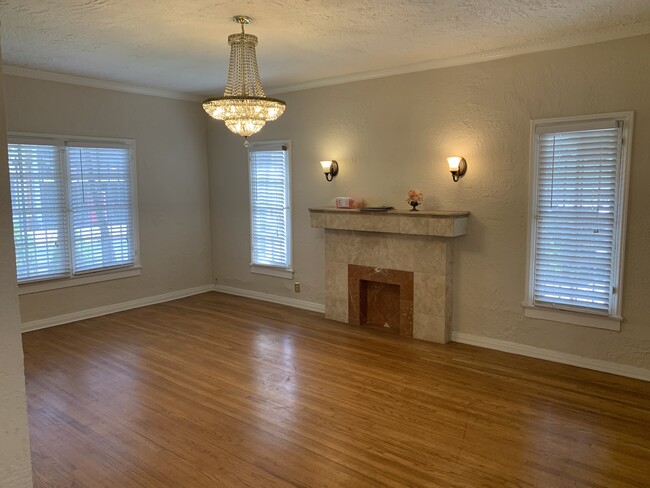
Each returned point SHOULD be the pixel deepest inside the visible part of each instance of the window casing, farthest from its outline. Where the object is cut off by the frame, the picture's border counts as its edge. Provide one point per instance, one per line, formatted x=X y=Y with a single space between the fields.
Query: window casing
x=579 y=178
x=270 y=203
x=74 y=210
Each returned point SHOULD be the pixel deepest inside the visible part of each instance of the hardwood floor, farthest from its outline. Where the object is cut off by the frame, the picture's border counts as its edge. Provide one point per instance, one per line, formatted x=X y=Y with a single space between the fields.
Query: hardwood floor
x=215 y=390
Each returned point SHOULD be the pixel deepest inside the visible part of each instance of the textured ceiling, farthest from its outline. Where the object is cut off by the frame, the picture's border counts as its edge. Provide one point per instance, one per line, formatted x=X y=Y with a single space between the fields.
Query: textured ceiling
x=181 y=45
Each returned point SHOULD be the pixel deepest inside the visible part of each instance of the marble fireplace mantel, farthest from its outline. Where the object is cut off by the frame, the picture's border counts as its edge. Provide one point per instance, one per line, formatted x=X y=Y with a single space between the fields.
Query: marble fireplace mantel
x=418 y=243
x=426 y=223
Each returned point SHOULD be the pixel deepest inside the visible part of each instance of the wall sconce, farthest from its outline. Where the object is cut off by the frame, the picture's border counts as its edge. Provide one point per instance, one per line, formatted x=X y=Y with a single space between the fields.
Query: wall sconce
x=330 y=168
x=457 y=166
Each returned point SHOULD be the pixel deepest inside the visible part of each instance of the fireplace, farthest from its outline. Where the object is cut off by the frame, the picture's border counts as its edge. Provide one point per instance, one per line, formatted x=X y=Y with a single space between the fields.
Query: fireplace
x=391 y=270
x=381 y=298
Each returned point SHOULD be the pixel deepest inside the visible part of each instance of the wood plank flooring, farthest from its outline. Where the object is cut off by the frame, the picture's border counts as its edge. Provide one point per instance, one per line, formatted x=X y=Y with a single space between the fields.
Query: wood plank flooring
x=215 y=390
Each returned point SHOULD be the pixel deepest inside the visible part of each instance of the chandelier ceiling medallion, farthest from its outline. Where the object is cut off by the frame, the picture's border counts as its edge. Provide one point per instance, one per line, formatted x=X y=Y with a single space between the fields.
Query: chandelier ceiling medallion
x=244 y=107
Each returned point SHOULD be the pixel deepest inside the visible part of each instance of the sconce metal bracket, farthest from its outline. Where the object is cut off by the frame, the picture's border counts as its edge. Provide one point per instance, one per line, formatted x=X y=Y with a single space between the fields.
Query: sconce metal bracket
x=462 y=169
x=334 y=170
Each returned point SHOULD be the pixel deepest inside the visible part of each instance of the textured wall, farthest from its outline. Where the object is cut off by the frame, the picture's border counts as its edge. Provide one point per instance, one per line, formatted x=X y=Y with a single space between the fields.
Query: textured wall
x=393 y=134
x=15 y=467
x=172 y=185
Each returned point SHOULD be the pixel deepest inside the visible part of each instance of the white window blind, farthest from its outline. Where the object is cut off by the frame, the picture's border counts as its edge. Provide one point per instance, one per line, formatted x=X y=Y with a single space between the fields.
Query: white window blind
x=72 y=207
x=39 y=217
x=100 y=204
x=270 y=204
x=577 y=222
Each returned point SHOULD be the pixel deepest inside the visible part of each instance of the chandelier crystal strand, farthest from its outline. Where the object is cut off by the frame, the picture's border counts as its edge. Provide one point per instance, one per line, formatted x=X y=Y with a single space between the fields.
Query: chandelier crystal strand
x=244 y=107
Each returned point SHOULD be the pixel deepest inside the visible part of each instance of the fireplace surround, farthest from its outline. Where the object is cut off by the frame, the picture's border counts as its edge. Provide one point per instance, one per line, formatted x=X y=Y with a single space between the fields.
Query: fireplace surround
x=384 y=251
x=381 y=298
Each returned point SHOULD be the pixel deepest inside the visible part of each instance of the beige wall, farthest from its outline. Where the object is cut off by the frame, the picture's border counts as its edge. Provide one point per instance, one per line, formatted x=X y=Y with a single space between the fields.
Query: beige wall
x=393 y=134
x=15 y=465
x=172 y=185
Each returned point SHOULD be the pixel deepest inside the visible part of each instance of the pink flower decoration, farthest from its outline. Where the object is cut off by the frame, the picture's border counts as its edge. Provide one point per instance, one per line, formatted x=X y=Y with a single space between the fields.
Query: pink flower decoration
x=415 y=196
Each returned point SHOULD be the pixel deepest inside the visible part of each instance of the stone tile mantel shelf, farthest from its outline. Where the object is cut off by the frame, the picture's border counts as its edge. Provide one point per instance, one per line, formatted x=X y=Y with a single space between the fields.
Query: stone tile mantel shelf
x=424 y=222
x=419 y=243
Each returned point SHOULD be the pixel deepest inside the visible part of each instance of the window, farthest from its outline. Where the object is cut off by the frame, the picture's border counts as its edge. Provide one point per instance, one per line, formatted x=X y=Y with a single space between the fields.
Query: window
x=73 y=207
x=270 y=208
x=577 y=220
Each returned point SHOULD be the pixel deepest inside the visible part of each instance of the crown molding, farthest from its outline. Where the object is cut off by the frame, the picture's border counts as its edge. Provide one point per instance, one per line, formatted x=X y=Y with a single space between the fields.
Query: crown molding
x=620 y=32
x=95 y=83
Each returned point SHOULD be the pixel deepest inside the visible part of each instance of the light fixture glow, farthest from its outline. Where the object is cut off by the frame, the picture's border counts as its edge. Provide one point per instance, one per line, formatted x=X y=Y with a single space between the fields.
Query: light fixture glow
x=330 y=168
x=244 y=107
x=457 y=166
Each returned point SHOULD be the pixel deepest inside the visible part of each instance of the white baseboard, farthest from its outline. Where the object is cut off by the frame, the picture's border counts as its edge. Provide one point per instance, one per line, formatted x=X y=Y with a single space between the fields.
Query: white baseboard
x=266 y=297
x=488 y=343
x=118 y=307
x=549 y=355
x=496 y=344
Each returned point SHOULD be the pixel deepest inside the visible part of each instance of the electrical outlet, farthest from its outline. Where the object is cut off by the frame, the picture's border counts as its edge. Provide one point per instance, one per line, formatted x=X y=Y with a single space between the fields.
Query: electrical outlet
x=296 y=287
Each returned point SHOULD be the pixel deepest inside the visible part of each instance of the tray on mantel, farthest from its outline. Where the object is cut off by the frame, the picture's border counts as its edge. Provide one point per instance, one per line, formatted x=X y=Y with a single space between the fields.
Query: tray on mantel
x=383 y=208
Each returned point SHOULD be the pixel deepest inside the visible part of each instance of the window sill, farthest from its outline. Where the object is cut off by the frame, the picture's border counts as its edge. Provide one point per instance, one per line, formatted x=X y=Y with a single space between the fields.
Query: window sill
x=575 y=318
x=41 y=286
x=272 y=271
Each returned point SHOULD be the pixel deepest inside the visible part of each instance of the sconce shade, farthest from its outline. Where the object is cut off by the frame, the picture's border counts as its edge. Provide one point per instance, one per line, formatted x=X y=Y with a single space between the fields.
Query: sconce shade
x=457 y=166
x=330 y=168
x=453 y=162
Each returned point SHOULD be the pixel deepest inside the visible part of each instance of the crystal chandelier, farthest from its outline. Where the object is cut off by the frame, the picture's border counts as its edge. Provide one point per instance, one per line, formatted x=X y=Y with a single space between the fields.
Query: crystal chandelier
x=244 y=107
